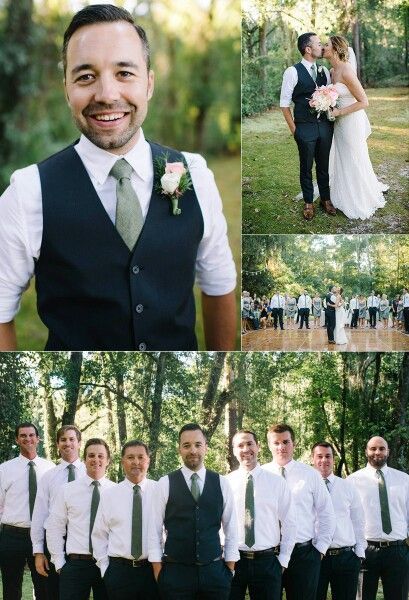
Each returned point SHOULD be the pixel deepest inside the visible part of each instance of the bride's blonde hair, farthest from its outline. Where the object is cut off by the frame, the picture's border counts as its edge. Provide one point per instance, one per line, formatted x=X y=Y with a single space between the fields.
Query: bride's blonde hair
x=340 y=47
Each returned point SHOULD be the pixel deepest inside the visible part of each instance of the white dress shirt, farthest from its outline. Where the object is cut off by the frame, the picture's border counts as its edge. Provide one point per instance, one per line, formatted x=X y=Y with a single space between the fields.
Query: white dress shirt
x=21 y=219
x=14 y=494
x=349 y=515
x=397 y=485
x=372 y=302
x=277 y=301
x=112 y=531
x=313 y=506
x=405 y=300
x=273 y=511
x=290 y=80
x=229 y=519
x=70 y=514
x=49 y=485
x=353 y=305
x=304 y=301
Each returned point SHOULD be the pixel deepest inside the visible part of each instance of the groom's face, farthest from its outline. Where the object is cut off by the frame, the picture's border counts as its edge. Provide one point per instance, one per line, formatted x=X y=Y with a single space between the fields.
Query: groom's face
x=315 y=47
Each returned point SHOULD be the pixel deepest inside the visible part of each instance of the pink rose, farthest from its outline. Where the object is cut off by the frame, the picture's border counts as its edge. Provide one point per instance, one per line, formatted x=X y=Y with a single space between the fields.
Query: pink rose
x=175 y=167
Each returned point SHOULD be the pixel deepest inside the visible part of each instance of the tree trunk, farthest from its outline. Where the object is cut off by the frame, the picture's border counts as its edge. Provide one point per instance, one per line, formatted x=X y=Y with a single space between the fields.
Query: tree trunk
x=157 y=408
x=210 y=397
x=50 y=427
x=398 y=457
x=112 y=441
x=120 y=408
x=72 y=382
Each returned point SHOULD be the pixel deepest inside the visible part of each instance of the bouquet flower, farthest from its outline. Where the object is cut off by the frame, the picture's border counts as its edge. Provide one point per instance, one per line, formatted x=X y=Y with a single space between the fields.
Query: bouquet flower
x=323 y=99
x=174 y=179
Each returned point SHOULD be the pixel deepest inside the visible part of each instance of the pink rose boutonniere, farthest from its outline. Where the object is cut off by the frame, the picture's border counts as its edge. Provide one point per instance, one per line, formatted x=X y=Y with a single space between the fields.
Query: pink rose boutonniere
x=174 y=179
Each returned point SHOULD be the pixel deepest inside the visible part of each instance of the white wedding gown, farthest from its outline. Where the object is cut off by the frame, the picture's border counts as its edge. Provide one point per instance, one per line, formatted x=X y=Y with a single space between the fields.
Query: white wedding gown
x=339 y=331
x=355 y=190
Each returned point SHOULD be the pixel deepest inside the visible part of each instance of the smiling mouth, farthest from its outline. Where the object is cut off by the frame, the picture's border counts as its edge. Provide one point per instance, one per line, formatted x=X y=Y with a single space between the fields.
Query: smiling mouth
x=109 y=117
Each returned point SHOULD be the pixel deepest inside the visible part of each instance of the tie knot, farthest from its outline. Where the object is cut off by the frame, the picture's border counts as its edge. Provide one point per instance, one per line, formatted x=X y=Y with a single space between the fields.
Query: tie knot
x=136 y=489
x=96 y=483
x=282 y=471
x=249 y=477
x=121 y=169
x=194 y=477
x=31 y=463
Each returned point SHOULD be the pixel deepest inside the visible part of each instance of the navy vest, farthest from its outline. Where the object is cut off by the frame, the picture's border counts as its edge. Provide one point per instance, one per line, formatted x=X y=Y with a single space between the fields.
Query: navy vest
x=193 y=528
x=92 y=292
x=328 y=299
x=303 y=91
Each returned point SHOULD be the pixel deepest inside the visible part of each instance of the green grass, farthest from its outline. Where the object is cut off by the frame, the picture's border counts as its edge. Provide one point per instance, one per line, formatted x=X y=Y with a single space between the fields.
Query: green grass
x=271 y=172
x=32 y=334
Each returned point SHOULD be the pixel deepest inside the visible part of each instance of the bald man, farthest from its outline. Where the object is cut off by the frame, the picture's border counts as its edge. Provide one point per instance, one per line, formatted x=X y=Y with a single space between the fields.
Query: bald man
x=384 y=494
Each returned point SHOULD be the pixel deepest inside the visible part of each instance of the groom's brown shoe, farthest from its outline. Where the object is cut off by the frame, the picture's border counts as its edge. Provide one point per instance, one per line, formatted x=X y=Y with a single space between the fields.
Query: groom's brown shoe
x=328 y=207
x=308 y=211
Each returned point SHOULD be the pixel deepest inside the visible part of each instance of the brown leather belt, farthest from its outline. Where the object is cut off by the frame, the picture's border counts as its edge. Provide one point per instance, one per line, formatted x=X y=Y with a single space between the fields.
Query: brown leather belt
x=302 y=544
x=129 y=562
x=254 y=554
x=336 y=551
x=386 y=544
x=81 y=557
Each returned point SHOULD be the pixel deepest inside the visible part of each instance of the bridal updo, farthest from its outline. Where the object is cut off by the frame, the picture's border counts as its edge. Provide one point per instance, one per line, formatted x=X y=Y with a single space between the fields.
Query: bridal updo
x=340 y=47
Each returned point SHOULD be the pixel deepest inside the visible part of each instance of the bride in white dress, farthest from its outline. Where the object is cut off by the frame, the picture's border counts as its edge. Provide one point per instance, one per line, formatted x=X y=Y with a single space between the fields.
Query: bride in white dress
x=355 y=189
x=340 y=336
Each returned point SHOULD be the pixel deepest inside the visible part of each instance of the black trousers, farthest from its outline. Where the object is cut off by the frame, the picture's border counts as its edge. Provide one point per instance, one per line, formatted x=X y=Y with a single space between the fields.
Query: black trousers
x=261 y=577
x=78 y=577
x=406 y=318
x=372 y=316
x=124 y=582
x=188 y=582
x=278 y=317
x=342 y=572
x=354 y=320
x=15 y=551
x=52 y=582
x=391 y=565
x=304 y=316
x=330 y=324
x=314 y=143
x=300 y=580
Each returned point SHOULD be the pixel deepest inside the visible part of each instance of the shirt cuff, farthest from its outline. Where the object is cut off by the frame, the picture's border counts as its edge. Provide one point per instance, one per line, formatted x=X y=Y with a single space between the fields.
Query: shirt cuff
x=155 y=556
x=38 y=548
x=283 y=559
x=321 y=547
x=103 y=565
x=59 y=562
x=359 y=551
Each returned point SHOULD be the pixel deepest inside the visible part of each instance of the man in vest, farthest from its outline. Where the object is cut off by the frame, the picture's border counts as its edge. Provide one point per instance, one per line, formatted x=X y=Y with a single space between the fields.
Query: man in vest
x=114 y=246
x=192 y=504
x=330 y=300
x=313 y=135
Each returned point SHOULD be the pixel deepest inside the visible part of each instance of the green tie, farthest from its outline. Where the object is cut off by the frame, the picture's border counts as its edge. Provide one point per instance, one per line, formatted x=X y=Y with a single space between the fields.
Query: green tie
x=195 y=490
x=314 y=72
x=94 y=508
x=249 y=513
x=383 y=499
x=129 y=218
x=282 y=472
x=327 y=482
x=136 y=540
x=32 y=486
x=71 y=473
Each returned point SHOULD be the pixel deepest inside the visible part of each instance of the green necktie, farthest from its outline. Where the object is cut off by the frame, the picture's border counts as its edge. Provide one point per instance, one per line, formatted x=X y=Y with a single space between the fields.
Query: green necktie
x=32 y=486
x=129 y=218
x=94 y=508
x=249 y=513
x=314 y=72
x=136 y=540
x=327 y=482
x=383 y=499
x=282 y=472
x=195 y=490
x=71 y=473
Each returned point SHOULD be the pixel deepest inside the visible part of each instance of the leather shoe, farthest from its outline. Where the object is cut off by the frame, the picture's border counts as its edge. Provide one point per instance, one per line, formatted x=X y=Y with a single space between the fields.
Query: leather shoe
x=328 y=207
x=308 y=211
x=331 y=342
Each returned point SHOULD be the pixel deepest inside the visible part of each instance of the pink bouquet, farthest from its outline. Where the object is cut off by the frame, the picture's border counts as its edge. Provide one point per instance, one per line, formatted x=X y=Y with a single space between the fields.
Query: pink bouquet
x=323 y=99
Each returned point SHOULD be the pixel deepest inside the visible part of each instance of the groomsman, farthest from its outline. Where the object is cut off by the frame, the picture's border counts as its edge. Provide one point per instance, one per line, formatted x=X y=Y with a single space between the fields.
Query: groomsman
x=304 y=307
x=405 y=299
x=373 y=305
x=385 y=498
x=264 y=510
x=192 y=503
x=315 y=515
x=120 y=533
x=353 y=305
x=277 y=309
x=342 y=562
x=69 y=468
x=19 y=478
x=330 y=300
x=72 y=516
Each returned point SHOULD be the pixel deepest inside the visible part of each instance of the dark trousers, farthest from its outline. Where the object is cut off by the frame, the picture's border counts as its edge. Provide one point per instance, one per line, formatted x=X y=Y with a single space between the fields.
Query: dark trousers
x=278 y=317
x=261 y=577
x=314 y=142
x=354 y=320
x=124 y=582
x=189 y=582
x=406 y=318
x=372 y=316
x=53 y=579
x=15 y=551
x=304 y=316
x=391 y=565
x=300 y=580
x=330 y=324
x=342 y=572
x=78 y=577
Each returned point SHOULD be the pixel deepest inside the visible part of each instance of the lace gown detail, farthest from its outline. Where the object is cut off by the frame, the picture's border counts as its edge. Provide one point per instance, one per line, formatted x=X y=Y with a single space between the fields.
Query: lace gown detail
x=355 y=190
x=340 y=336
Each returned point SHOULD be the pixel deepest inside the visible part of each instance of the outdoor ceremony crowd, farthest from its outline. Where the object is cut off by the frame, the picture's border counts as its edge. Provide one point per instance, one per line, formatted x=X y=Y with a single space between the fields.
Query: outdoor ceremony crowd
x=289 y=312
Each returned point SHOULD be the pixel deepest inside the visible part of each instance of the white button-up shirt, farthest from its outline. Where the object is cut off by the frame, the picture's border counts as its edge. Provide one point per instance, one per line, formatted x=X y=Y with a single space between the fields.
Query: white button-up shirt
x=14 y=493
x=290 y=80
x=70 y=513
x=273 y=511
x=405 y=300
x=21 y=219
x=277 y=301
x=372 y=302
x=49 y=485
x=112 y=532
x=304 y=301
x=353 y=305
x=229 y=519
x=313 y=506
x=397 y=486
x=349 y=515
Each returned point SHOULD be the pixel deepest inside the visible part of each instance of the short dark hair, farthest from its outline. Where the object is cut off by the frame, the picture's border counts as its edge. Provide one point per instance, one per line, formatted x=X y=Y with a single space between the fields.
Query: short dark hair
x=132 y=443
x=324 y=445
x=281 y=428
x=98 y=441
x=103 y=13
x=248 y=432
x=66 y=428
x=191 y=427
x=25 y=424
x=304 y=41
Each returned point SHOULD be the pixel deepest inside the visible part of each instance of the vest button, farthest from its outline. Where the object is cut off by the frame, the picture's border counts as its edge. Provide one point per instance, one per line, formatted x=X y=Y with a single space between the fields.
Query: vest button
x=142 y=346
x=139 y=308
x=135 y=269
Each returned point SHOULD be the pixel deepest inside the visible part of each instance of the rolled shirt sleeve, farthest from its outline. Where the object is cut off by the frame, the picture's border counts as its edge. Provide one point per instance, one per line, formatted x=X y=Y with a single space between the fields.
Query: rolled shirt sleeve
x=288 y=522
x=290 y=79
x=56 y=530
x=325 y=517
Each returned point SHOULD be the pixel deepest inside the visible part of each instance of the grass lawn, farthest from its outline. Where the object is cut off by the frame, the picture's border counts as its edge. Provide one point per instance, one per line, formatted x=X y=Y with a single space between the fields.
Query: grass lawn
x=32 y=334
x=271 y=172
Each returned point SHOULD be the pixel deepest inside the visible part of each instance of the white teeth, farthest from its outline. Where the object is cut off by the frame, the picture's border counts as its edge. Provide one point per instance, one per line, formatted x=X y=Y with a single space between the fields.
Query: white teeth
x=108 y=117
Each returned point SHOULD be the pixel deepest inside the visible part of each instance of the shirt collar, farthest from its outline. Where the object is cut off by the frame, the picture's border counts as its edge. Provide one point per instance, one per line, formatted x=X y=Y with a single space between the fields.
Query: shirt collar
x=254 y=472
x=331 y=477
x=188 y=473
x=307 y=64
x=89 y=480
x=384 y=469
x=27 y=460
x=287 y=467
x=77 y=463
